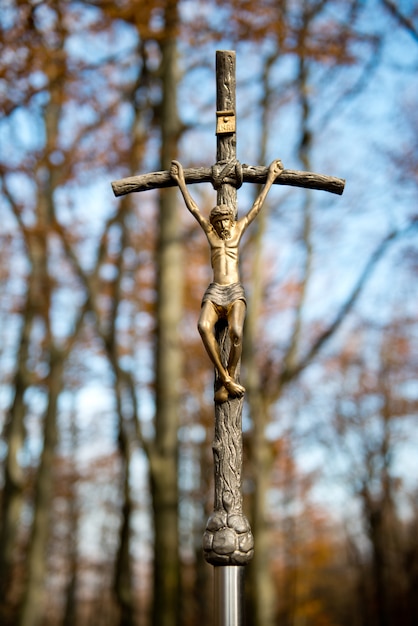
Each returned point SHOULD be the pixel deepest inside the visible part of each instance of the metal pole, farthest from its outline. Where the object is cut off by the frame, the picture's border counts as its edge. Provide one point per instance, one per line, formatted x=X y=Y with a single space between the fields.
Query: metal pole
x=229 y=595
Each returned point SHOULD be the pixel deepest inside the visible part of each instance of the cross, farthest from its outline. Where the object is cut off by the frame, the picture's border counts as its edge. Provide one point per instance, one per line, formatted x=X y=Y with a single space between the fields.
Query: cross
x=227 y=540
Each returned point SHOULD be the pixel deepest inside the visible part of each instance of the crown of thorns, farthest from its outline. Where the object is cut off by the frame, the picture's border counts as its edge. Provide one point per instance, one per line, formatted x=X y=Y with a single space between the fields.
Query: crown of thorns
x=220 y=211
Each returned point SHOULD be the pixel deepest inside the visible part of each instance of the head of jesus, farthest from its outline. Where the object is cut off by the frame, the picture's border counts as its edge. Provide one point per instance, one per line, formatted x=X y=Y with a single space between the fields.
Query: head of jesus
x=222 y=219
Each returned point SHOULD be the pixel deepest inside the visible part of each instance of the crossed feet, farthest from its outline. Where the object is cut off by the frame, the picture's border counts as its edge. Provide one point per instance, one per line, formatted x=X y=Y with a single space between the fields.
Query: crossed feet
x=229 y=389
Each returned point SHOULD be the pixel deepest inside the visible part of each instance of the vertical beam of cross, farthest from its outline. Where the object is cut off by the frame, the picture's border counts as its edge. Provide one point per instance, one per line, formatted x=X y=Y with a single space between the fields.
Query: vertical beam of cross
x=227 y=539
x=226 y=143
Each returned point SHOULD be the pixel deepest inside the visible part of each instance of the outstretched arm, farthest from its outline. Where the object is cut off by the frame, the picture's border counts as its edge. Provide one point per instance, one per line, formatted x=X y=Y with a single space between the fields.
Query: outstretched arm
x=276 y=168
x=177 y=174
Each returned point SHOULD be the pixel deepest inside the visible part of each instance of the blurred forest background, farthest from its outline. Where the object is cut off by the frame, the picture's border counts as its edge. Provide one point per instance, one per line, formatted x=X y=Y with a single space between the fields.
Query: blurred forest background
x=106 y=399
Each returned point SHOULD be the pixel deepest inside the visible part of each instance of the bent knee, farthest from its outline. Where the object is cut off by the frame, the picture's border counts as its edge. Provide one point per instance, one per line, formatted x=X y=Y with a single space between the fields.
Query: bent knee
x=204 y=327
x=235 y=333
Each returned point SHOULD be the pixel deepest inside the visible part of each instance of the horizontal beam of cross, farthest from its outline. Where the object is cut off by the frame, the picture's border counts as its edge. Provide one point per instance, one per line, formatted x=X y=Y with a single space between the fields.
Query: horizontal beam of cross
x=250 y=174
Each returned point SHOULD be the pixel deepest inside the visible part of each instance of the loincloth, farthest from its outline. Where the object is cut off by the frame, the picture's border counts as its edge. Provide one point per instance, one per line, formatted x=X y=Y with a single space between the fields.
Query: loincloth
x=224 y=296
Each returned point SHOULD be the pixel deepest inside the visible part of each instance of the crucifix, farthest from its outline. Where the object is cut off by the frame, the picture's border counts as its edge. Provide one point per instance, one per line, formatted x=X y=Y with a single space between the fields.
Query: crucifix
x=227 y=542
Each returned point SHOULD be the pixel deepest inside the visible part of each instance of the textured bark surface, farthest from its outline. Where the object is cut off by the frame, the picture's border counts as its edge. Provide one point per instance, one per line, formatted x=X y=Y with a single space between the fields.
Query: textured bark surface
x=227 y=539
x=226 y=144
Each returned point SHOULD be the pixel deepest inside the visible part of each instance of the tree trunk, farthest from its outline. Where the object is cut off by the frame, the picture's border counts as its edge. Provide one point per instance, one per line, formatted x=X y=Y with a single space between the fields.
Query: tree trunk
x=70 y=613
x=32 y=606
x=123 y=566
x=168 y=358
x=123 y=580
x=12 y=497
x=262 y=596
x=33 y=601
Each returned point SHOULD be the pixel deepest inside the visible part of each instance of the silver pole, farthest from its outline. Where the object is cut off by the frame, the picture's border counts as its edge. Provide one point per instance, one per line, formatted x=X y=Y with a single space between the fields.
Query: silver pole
x=229 y=595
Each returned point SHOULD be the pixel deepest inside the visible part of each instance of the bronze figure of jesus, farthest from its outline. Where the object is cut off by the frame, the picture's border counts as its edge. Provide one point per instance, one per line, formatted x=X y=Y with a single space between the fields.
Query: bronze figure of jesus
x=225 y=297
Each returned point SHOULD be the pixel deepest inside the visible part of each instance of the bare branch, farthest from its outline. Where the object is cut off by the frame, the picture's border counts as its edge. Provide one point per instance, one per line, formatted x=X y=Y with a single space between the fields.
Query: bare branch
x=403 y=21
x=288 y=374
